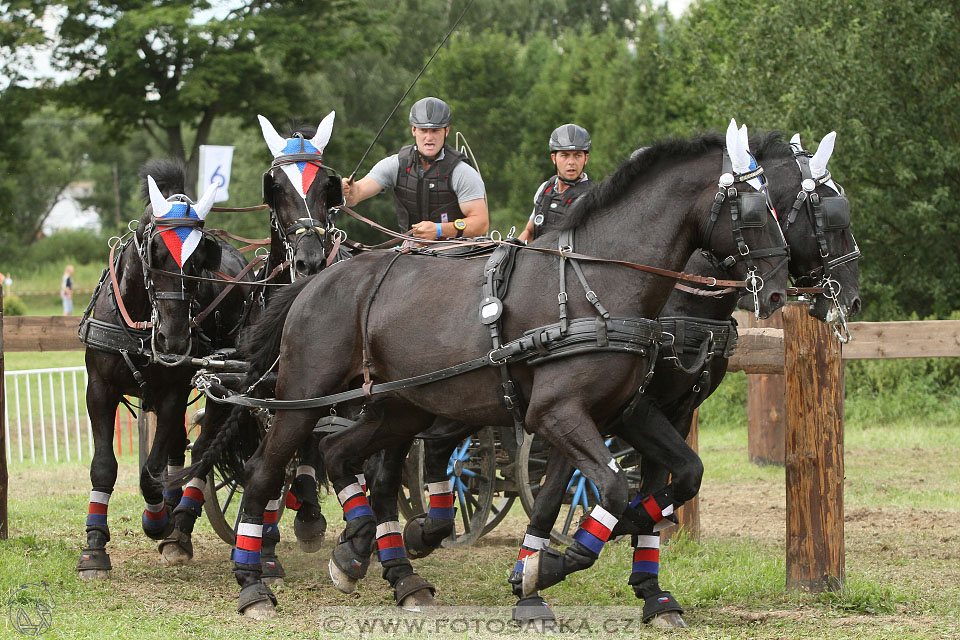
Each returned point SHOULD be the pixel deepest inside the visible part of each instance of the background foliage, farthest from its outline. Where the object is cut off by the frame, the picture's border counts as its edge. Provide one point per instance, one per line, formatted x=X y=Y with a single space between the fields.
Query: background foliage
x=139 y=79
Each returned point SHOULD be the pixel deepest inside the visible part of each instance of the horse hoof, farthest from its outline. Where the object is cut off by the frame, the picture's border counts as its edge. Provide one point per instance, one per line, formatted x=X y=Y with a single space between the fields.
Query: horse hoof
x=276 y=581
x=310 y=546
x=531 y=571
x=88 y=575
x=172 y=555
x=343 y=582
x=669 y=620
x=415 y=602
x=261 y=611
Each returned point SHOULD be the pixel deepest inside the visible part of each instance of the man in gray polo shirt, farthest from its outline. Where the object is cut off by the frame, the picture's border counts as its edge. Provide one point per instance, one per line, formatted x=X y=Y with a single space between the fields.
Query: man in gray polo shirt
x=437 y=194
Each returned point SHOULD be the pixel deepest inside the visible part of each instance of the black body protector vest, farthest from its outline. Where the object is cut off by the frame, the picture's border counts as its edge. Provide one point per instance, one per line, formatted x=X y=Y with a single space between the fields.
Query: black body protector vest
x=426 y=194
x=551 y=207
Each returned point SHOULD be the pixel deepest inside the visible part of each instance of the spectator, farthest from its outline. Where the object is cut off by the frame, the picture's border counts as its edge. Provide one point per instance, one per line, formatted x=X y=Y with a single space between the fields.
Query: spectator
x=66 y=290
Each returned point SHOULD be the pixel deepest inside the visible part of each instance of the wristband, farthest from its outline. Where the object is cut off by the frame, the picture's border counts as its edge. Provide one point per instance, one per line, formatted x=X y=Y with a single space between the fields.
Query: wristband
x=438 y=231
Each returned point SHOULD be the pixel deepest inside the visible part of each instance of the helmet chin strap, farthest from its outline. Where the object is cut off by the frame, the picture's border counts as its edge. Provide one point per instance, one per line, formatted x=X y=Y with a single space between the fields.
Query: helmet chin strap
x=570 y=183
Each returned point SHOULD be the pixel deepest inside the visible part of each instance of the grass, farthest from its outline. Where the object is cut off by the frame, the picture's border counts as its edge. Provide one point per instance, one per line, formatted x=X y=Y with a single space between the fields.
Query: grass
x=903 y=560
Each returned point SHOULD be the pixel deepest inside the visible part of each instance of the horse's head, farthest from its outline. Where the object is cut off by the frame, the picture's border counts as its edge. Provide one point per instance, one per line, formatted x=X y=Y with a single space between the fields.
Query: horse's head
x=171 y=245
x=814 y=214
x=300 y=191
x=742 y=232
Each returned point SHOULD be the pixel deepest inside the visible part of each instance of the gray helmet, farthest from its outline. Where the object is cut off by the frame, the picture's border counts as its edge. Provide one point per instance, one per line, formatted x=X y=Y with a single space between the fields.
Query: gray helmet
x=569 y=137
x=430 y=113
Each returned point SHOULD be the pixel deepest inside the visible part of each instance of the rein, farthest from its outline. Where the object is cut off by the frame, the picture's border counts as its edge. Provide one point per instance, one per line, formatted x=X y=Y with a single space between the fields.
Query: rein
x=667 y=273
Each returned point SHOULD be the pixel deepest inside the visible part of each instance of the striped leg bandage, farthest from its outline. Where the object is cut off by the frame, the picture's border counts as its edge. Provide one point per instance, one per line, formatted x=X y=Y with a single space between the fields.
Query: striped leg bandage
x=653 y=509
x=270 y=518
x=155 y=517
x=172 y=495
x=97 y=509
x=249 y=541
x=530 y=545
x=192 y=499
x=595 y=529
x=353 y=498
x=441 y=501
x=646 y=554
x=390 y=541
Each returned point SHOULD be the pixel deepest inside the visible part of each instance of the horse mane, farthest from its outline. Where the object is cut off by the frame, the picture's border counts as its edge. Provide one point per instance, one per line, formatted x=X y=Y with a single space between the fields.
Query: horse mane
x=298 y=126
x=169 y=174
x=611 y=189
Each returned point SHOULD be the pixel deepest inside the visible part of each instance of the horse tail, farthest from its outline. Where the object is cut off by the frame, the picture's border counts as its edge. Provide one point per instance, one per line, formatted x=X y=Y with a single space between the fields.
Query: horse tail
x=214 y=452
x=259 y=346
x=169 y=174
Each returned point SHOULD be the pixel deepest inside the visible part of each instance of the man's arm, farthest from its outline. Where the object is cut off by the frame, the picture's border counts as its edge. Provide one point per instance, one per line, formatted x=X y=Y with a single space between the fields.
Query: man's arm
x=527 y=233
x=474 y=216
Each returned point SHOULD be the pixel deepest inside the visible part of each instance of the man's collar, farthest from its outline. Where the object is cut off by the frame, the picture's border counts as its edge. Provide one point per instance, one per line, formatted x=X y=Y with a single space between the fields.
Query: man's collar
x=436 y=158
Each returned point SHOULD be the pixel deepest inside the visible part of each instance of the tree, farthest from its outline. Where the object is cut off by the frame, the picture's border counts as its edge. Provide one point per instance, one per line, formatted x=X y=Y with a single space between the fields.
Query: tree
x=165 y=69
x=884 y=76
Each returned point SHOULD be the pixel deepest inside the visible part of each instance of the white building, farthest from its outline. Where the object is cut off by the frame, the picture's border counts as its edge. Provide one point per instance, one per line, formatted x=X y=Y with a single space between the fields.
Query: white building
x=68 y=215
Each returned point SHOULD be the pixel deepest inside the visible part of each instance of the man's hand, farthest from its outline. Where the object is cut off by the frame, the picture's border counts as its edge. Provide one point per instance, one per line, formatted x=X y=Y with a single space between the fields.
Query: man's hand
x=347 y=188
x=425 y=230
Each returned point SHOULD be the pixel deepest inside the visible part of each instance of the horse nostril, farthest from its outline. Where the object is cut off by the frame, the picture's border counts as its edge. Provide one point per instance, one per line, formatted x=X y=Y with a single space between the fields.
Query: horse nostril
x=301 y=267
x=855 y=307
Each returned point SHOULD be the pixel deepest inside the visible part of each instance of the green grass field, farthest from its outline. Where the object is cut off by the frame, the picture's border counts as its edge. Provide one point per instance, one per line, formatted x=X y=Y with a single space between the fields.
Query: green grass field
x=902 y=559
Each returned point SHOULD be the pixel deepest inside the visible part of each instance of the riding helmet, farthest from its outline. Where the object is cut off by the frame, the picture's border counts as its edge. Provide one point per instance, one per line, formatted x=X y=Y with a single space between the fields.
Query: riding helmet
x=569 y=137
x=430 y=113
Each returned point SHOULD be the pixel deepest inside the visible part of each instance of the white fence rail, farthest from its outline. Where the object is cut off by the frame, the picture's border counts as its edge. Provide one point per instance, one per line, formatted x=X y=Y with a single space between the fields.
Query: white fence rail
x=45 y=415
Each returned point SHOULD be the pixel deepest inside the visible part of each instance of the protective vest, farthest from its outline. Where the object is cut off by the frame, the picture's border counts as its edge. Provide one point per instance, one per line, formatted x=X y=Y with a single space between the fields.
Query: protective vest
x=426 y=194
x=551 y=207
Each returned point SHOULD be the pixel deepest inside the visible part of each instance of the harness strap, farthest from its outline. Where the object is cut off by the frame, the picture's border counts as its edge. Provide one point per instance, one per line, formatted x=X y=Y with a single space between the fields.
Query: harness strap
x=120 y=306
x=365 y=357
x=200 y=317
x=626 y=335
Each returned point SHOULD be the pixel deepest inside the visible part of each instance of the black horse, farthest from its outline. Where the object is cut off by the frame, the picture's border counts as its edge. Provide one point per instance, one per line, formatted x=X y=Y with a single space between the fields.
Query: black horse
x=423 y=535
x=364 y=322
x=300 y=192
x=814 y=215
x=146 y=319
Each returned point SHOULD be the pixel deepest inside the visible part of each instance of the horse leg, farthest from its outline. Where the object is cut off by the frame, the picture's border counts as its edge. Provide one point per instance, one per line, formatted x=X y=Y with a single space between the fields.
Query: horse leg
x=177 y=548
x=263 y=480
x=385 y=471
x=567 y=424
x=309 y=526
x=424 y=534
x=343 y=457
x=102 y=402
x=170 y=437
x=665 y=453
x=532 y=611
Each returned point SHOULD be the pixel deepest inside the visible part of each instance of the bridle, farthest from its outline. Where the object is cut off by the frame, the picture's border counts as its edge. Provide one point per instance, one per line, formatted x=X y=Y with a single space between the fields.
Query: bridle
x=304 y=227
x=825 y=215
x=748 y=209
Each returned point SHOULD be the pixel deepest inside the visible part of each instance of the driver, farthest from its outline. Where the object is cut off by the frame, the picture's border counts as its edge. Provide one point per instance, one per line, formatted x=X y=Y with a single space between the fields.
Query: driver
x=569 y=152
x=437 y=194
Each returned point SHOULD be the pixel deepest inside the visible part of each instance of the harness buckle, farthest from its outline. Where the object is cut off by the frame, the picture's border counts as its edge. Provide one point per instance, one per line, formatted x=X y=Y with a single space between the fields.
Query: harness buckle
x=562 y=297
x=494 y=361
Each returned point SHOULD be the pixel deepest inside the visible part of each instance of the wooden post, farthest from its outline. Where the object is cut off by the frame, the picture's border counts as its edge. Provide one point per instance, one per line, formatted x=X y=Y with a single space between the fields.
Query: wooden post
x=689 y=514
x=766 y=418
x=147 y=428
x=814 y=452
x=3 y=435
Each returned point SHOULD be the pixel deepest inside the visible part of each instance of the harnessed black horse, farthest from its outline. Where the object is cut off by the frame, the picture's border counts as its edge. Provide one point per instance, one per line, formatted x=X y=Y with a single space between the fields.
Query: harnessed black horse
x=143 y=329
x=369 y=346
x=304 y=241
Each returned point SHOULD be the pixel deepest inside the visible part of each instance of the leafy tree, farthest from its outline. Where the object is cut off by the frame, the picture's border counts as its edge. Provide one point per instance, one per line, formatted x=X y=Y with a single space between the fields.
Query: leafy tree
x=164 y=69
x=884 y=76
